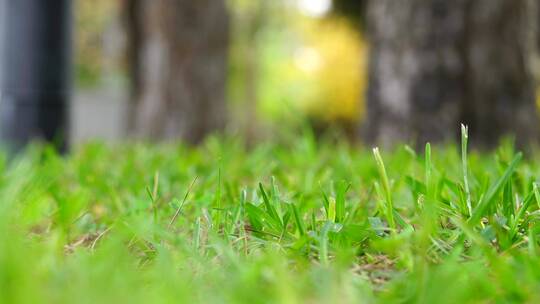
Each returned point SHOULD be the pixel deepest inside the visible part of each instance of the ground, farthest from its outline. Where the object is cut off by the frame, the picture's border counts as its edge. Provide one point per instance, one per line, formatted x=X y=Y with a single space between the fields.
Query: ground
x=295 y=221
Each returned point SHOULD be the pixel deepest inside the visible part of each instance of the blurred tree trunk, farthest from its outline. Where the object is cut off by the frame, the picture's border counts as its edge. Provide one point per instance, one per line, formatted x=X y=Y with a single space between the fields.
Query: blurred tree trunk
x=250 y=24
x=436 y=63
x=178 y=64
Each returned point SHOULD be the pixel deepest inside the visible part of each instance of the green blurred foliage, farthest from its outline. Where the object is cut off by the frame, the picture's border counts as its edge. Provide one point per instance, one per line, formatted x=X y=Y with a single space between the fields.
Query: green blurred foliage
x=92 y=19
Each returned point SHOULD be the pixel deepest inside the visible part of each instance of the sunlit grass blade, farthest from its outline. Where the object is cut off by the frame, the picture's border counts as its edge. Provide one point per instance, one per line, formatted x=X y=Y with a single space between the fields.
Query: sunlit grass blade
x=465 y=166
x=332 y=210
x=389 y=206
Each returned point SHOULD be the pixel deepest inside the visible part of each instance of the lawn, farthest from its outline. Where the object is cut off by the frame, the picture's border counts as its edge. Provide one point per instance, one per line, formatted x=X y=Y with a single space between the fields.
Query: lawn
x=294 y=221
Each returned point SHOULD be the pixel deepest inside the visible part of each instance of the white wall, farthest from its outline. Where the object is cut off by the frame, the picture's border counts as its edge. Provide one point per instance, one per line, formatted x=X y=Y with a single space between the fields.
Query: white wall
x=98 y=114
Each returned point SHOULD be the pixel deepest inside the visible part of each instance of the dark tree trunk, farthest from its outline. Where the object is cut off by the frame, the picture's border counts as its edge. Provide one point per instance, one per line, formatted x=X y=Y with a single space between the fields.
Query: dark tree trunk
x=437 y=63
x=35 y=65
x=178 y=59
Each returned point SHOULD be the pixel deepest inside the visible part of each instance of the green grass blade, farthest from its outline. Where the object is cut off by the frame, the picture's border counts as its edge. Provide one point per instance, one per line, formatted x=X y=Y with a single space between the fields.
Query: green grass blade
x=389 y=206
x=489 y=198
x=268 y=205
x=342 y=189
x=427 y=163
x=465 y=166
x=521 y=214
x=536 y=194
x=298 y=220
x=323 y=243
x=326 y=202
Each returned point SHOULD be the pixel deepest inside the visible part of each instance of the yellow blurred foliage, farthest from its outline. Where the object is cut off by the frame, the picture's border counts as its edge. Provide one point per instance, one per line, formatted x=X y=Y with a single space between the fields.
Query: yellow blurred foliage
x=334 y=58
x=538 y=98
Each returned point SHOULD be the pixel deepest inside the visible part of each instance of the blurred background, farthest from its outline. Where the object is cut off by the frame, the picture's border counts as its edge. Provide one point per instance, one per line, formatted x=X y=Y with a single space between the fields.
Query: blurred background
x=288 y=60
x=382 y=71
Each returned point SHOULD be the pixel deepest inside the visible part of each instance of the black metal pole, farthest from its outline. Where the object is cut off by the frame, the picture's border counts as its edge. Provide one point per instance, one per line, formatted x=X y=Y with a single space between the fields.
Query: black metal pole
x=35 y=57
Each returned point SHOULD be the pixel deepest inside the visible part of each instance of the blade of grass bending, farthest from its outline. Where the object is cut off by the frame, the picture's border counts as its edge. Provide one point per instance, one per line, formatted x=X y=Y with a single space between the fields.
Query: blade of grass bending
x=326 y=201
x=386 y=189
x=183 y=202
x=491 y=194
x=269 y=208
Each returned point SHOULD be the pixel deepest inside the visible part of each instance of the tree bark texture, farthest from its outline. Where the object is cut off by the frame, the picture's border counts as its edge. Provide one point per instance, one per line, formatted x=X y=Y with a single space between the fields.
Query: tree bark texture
x=178 y=64
x=438 y=63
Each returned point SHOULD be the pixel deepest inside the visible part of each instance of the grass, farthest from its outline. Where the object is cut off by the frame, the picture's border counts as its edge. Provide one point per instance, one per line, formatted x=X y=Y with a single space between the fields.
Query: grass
x=289 y=222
